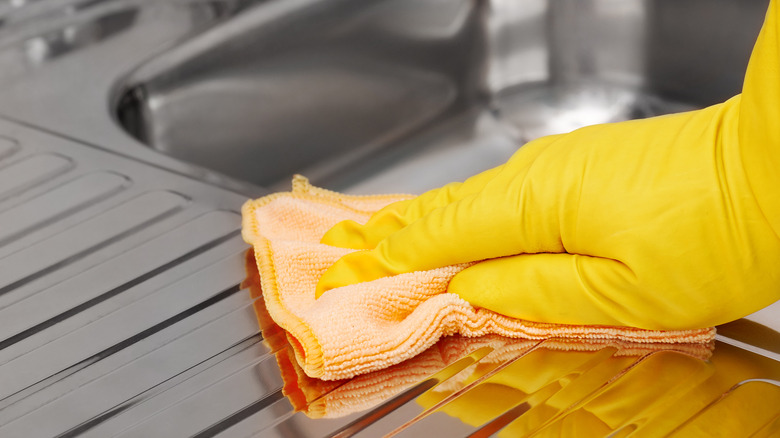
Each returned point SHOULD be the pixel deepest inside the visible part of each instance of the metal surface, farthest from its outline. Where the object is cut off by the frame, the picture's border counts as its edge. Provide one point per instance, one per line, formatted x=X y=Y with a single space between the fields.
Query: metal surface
x=381 y=81
x=129 y=305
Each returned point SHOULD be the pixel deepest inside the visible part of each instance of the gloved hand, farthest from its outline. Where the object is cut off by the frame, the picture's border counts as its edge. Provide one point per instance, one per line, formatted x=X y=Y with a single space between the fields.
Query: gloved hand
x=663 y=223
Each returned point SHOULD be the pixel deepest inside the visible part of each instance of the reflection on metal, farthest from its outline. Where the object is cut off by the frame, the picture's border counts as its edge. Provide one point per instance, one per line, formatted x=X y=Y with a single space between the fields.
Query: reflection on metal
x=116 y=277
x=56 y=43
x=490 y=385
x=339 y=90
x=128 y=303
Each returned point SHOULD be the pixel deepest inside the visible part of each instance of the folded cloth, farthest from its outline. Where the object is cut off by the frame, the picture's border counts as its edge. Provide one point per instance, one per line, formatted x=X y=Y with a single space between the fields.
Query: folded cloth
x=369 y=326
x=336 y=398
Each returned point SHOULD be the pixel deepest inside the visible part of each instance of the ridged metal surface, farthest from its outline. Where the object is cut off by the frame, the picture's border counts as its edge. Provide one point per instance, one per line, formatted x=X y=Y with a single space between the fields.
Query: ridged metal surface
x=131 y=307
x=116 y=277
x=492 y=385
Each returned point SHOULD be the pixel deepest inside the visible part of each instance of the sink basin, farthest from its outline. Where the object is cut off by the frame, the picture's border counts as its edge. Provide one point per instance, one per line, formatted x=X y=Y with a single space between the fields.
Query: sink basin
x=406 y=95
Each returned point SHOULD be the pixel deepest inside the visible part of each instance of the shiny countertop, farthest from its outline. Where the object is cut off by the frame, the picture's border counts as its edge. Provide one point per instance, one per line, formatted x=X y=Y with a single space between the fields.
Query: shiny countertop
x=130 y=306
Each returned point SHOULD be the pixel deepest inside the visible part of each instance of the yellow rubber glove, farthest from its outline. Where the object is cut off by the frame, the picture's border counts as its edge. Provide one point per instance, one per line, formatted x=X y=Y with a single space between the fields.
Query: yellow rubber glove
x=663 y=223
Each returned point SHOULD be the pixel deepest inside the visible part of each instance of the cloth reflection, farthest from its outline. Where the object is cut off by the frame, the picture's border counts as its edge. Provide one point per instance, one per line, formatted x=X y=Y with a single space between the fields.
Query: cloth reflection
x=553 y=387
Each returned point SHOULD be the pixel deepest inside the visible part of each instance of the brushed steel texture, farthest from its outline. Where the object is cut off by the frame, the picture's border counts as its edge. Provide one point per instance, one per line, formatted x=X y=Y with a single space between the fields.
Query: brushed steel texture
x=131 y=131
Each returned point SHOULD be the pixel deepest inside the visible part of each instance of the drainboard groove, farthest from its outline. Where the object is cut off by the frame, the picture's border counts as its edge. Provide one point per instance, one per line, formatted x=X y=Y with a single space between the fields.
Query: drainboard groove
x=59 y=203
x=156 y=206
x=241 y=415
x=163 y=386
x=32 y=171
x=119 y=346
x=117 y=290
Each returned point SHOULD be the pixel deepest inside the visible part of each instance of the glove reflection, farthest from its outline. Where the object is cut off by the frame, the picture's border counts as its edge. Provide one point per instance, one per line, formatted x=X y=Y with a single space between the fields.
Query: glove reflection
x=652 y=393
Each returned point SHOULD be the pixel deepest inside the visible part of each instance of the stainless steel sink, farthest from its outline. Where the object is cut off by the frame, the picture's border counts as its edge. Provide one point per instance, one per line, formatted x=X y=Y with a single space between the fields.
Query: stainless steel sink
x=404 y=95
x=130 y=306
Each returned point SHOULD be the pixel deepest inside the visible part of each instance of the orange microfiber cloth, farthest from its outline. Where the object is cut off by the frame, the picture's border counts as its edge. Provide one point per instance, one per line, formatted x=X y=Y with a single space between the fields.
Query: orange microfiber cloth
x=369 y=326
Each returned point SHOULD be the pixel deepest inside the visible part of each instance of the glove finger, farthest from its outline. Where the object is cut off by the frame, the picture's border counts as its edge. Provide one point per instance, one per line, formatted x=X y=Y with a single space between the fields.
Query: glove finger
x=508 y=217
x=350 y=234
x=570 y=289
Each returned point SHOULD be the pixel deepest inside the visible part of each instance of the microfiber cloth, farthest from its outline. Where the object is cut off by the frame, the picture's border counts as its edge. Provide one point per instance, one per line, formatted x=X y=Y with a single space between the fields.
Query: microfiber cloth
x=369 y=326
x=336 y=398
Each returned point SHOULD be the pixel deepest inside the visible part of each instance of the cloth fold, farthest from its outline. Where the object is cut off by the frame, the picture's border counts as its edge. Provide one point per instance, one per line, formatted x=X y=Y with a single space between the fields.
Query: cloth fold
x=370 y=326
